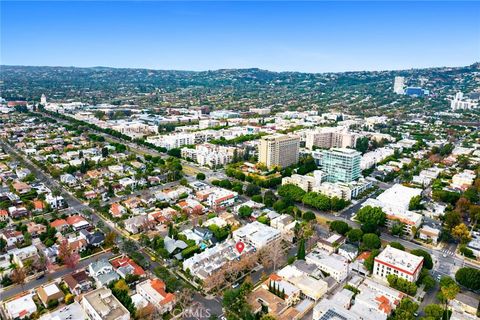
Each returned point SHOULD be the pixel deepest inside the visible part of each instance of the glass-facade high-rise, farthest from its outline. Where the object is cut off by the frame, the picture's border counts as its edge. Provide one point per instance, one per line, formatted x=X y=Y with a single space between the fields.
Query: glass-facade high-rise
x=340 y=164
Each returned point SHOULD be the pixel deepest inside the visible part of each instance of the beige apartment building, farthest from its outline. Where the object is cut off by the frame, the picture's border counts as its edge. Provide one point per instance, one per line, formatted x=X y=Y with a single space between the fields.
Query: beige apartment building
x=279 y=150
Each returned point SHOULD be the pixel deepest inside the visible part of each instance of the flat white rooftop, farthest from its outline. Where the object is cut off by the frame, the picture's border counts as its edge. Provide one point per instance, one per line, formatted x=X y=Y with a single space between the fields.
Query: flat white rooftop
x=399 y=195
x=399 y=259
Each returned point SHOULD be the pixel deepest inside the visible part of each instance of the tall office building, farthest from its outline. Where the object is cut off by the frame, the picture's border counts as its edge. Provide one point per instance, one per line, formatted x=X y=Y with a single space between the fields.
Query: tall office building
x=279 y=150
x=339 y=164
x=398 y=85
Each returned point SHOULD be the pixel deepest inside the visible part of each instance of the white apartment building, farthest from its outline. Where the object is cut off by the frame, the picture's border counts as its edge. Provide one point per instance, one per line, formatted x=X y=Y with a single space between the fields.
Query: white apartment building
x=101 y=304
x=330 y=137
x=134 y=129
x=397 y=262
x=206 y=263
x=211 y=155
x=333 y=264
x=398 y=85
x=346 y=191
x=257 y=235
x=371 y=158
x=260 y=111
x=311 y=287
x=332 y=189
x=20 y=307
x=219 y=197
x=279 y=150
x=426 y=176
x=154 y=291
x=463 y=180
x=395 y=202
x=307 y=182
x=459 y=103
x=175 y=140
x=399 y=195
x=208 y=123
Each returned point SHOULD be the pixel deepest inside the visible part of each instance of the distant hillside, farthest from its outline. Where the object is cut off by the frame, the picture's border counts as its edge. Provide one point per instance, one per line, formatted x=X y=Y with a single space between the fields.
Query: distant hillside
x=99 y=84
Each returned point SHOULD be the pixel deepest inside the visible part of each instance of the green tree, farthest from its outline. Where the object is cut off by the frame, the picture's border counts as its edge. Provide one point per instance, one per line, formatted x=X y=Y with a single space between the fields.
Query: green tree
x=201 y=176
x=258 y=198
x=354 y=235
x=468 y=277
x=3 y=244
x=369 y=261
x=427 y=258
x=291 y=191
x=269 y=198
x=252 y=190
x=434 y=311
x=397 y=245
x=401 y=284
x=406 y=310
x=362 y=144
x=415 y=203
x=340 y=227
x=429 y=282
x=245 y=211
x=397 y=228
x=104 y=152
x=309 y=216
x=301 y=250
x=371 y=216
x=371 y=241
x=175 y=152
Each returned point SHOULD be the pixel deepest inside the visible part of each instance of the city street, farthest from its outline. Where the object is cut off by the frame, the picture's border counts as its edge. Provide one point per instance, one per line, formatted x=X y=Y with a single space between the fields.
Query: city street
x=16 y=289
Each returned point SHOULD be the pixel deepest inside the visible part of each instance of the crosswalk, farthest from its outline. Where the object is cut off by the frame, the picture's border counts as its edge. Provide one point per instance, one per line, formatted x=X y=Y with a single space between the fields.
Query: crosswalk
x=448 y=252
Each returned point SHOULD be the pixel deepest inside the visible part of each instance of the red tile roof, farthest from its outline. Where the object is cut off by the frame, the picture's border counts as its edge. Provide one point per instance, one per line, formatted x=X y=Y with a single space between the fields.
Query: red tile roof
x=384 y=305
x=75 y=219
x=58 y=223
x=123 y=261
x=38 y=204
x=364 y=255
x=159 y=286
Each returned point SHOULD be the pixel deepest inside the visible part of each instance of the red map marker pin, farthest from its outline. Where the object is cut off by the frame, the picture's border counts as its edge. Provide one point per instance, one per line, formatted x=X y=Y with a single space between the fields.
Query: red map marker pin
x=240 y=246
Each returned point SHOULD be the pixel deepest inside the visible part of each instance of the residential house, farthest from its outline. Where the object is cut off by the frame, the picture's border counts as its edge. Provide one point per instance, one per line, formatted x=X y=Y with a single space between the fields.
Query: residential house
x=154 y=291
x=11 y=236
x=59 y=224
x=78 y=282
x=77 y=222
x=38 y=206
x=117 y=210
x=124 y=265
x=135 y=224
x=102 y=272
x=49 y=293
x=55 y=202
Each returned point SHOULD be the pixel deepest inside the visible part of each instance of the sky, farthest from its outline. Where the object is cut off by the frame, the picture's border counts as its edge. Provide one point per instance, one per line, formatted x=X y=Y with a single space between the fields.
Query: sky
x=277 y=36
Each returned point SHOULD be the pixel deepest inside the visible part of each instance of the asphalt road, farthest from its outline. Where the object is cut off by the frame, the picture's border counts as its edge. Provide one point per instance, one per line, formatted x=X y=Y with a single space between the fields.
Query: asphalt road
x=14 y=290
